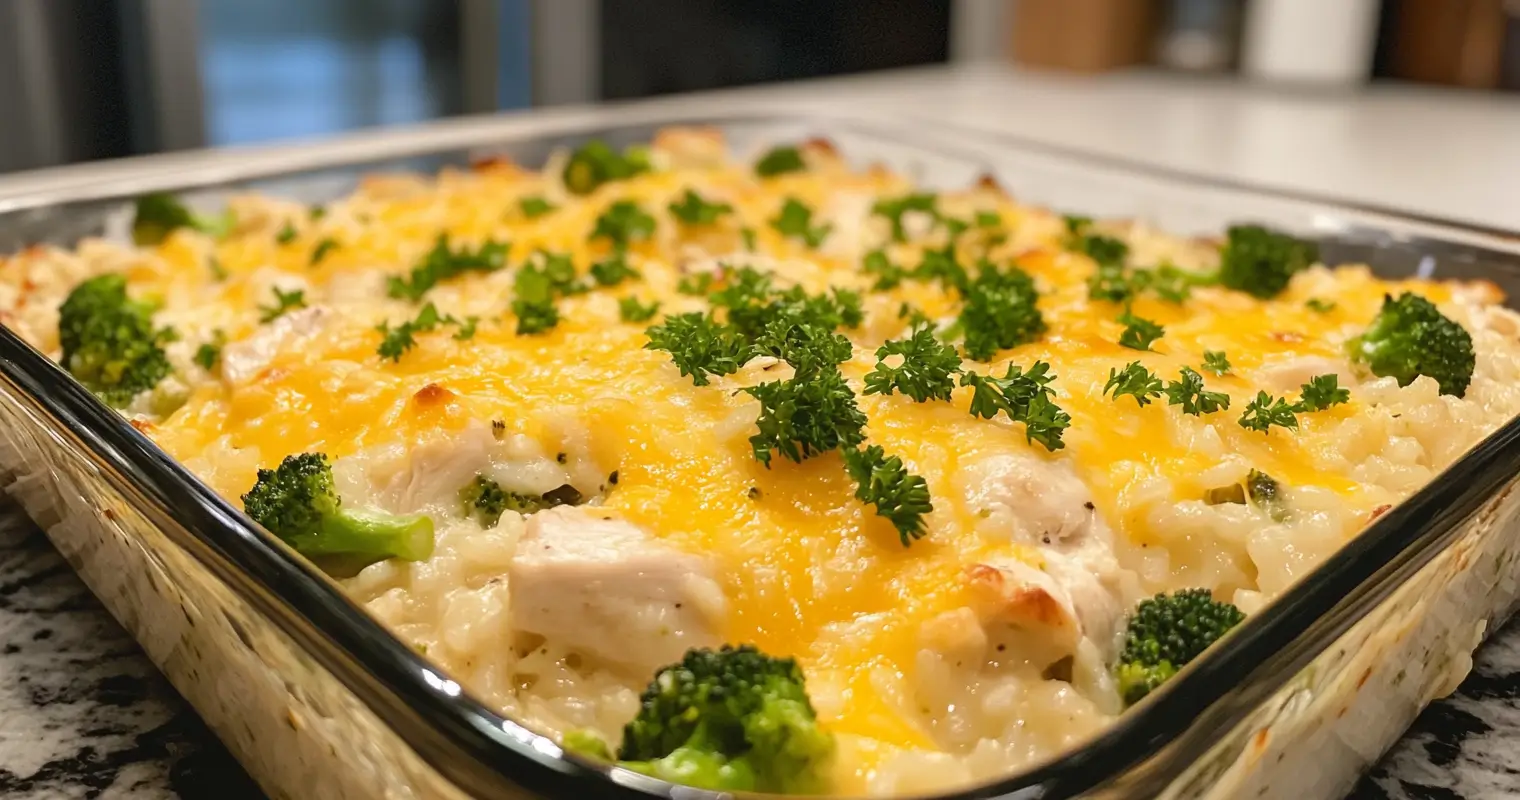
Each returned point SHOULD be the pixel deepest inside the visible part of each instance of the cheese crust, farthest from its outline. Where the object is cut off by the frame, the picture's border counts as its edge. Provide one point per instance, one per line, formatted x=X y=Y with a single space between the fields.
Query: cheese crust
x=981 y=648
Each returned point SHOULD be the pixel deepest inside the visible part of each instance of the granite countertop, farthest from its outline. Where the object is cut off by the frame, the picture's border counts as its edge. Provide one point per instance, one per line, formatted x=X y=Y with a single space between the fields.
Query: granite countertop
x=83 y=713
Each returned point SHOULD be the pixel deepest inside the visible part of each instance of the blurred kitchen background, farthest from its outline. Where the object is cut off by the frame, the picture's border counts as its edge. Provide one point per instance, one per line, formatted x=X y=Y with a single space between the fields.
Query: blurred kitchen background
x=87 y=79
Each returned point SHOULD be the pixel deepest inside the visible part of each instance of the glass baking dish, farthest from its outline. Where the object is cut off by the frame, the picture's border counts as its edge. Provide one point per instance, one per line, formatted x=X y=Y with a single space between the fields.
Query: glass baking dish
x=318 y=700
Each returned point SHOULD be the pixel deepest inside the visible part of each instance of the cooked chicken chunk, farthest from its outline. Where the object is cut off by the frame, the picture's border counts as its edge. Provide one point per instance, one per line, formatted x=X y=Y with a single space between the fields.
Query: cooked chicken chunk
x=1288 y=376
x=604 y=587
x=1027 y=499
x=244 y=359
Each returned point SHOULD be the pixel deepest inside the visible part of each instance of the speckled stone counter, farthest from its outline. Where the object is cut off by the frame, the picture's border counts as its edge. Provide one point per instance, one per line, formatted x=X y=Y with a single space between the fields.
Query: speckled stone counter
x=83 y=714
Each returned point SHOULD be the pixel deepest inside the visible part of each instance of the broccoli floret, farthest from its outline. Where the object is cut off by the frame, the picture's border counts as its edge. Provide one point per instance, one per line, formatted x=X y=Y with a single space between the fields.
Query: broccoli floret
x=109 y=342
x=298 y=503
x=1410 y=337
x=486 y=500
x=732 y=719
x=1166 y=632
x=158 y=214
x=1261 y=261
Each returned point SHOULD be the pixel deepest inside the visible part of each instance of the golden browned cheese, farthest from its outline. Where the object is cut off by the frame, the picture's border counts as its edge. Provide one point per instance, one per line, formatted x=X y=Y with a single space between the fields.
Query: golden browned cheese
x=806 y=568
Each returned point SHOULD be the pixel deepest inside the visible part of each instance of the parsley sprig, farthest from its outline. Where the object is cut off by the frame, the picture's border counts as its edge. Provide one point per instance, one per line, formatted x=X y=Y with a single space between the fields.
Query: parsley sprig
x=795 y=220
x=441 y=264
x=1000 y=312
x=779 y=161
x=1025 y=397
x=899 y=496
x=622 y=223
x=630 y=309
x=1265 y=411
x=927 y=371
x=1139 y=332
x=894 y=208
x=1134 y=380
x=692 y=209
x=1322 y=392
x=699 y=345
x=1189 y=393
x=395 y=342
x=283 y=302
x=613 y=270
x=812 y=413
x=535 y=206
x=1216 y=361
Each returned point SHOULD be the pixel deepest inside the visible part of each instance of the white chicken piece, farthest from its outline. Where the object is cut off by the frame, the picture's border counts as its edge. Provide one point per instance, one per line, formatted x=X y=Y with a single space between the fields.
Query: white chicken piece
x=1026 y=499
x=1288 y=376
x=244 y=359
x=432 y=473
x=1064 y=588
x=603 y=586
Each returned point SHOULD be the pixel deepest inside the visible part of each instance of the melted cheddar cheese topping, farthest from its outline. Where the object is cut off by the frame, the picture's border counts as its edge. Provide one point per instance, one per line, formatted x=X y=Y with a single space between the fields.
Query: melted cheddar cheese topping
x=807 y=570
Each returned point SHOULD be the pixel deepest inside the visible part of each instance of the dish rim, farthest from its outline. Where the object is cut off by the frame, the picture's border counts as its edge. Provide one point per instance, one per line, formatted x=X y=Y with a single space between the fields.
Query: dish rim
x=480 y=750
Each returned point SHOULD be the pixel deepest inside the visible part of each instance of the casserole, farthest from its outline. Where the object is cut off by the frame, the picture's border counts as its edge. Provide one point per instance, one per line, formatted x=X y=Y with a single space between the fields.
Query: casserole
x=319 y=709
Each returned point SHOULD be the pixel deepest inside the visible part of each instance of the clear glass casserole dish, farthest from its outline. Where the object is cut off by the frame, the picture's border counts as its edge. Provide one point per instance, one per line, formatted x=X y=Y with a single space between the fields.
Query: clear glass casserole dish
x=319 y=701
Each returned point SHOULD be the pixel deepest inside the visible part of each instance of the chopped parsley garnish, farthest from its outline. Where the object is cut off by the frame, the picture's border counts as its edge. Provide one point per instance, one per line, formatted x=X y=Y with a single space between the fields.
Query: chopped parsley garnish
x=693 y=210
x=988 y=219
x=888 y=275
x=327 y=245
x=287 y=233
x=1134 y=380
x=214 y=266
x=467 y=328
x=560 y=271
x=594 y=164
x=1320 y=305
x=752 y=304
x=395 y=342
x=533 y=300
x=1000 y=312
x=696 y=285
x=699 y=346
x=316 y=212
x=441 y=264
x=1194 y=399
x=1118 y=284
x=1139 y=332
x=812 y=413
x=894 y=209
x=1172 y=284
x=927 y=371
x=899 y=496
x=748 y=235
x=613 y=270
x=796 y=221
x=1107 y=251
x=940 y=265
x=623 y=222
x=1112 y=283
x=779 y=161
x=535 y=206
x=1025 y=397
x=1265 y=411
x=1216 y=362
x=210 y=351
x=283 y=301
x=631 y=310
x=1322 y=392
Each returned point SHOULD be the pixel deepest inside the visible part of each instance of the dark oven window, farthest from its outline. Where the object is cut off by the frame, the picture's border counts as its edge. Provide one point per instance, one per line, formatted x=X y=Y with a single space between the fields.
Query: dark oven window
x=654 y=47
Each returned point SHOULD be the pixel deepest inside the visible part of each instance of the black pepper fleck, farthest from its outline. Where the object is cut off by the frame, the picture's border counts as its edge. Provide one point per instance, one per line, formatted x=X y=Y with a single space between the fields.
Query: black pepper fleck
x=613 y=478
x=561 y=458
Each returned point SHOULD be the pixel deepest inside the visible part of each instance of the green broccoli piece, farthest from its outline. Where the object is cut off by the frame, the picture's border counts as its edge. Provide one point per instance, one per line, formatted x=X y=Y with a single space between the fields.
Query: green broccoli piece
x=1410 y=337
x=731 y=719
x=486 y=500
x=109 y=342
x=1166 y=633
x=1261 y=261
x=158 y=214
x=298 y=503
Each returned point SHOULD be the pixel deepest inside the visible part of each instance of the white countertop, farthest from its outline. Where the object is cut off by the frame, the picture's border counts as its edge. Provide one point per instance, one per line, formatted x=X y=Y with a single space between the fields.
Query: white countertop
x=1441 y=153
